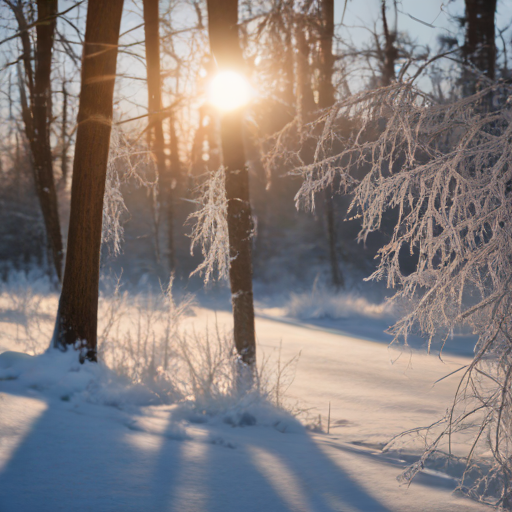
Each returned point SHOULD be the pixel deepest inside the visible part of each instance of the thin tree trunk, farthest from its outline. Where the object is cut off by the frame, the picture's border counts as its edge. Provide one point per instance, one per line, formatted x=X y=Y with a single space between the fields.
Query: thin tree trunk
x=196 y=153
x=175 y=180
x=390 y=51
x=40 y=111
x=213 y=140
x=225 y=46
x=304 y=91
x=289 y=51
x=64 y=135
x=78 y=307
x=480 y=44
x=155 y=132
x=325 y=85
x=325 y=100
x=36 y=118
x=336 y=275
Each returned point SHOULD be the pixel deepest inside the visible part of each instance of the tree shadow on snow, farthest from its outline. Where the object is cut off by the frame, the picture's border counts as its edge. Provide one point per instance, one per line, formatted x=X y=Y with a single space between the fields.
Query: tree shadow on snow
x=94 y=458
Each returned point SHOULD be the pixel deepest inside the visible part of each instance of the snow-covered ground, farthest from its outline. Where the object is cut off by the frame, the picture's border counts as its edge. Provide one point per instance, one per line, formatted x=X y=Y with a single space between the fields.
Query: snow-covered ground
x=78 y=437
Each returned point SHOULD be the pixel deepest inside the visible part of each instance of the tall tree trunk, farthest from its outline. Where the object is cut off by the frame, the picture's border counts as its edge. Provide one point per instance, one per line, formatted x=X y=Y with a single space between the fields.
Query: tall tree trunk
x=77 y=316
x=325 y=100
x=156 y=132
x=175 y=181
x=326 y=69
x=390 y=54
x=480 y=44
x=36 y=117
x=225 y=46
x=304 y=91
x=64 y=135
x=288 y=62
x=196 y=153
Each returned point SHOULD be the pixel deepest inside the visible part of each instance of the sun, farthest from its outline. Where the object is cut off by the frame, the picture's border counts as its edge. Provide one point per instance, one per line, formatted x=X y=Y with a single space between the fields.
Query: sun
x=229 y=90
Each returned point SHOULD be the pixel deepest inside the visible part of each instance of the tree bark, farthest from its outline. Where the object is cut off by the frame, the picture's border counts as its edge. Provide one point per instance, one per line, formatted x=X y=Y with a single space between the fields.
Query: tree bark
x=480 y=44
x=155 y=131
x=64 y=135
x=288 y=53
x=390 y=51
x=325 y=85
x=326 y=100
x=78 y=306
x=225 y=46
x=304 y=91
x=36 y=114
x=175 y=181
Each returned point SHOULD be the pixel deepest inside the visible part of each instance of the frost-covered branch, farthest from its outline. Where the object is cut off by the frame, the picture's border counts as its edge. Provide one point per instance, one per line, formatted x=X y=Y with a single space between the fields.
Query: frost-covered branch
x=126 y=161
x=443 y=172
x=210 y=230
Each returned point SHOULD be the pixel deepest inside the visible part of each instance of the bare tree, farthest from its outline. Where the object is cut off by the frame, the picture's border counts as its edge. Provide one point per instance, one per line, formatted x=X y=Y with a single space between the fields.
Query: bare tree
x=480 y=39
x=305 y=102
x=389 y=54
x=326 y=99
x=451 y=192
x=76 y=323
x=155 y=128
x=225 y=46
x=35 y=97
x=64 y=157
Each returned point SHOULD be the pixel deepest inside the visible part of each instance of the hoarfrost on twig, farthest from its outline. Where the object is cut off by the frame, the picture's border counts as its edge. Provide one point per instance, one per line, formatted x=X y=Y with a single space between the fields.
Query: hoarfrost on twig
x=210 y=230
x=445 y=171
x=125 y=161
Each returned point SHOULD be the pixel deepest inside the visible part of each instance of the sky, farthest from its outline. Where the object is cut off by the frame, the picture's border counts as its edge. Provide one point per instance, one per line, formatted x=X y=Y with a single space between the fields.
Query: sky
x=438 y=13
x=423 y=20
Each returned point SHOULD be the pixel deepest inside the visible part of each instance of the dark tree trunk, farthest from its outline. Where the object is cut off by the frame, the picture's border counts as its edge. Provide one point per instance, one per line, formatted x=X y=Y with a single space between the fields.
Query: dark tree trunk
x=336 y=275
x=64 y=135
x=304 y=91
x=225 y=46
x=175 y=181
x=78 y=307
x=155 y=132
x=213 y=140
x=325 y=100
x=325 y=85
x=390 y=53
x=288 y=63
x=480 y=44
x=36 y=113
x=207 y=131
x=196 y=154
x=40 y=111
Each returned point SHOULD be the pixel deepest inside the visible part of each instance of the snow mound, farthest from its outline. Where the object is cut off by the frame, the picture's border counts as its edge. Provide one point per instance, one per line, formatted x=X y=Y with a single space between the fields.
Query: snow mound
x=249 y=411
x=323 y=303
x=59 y=374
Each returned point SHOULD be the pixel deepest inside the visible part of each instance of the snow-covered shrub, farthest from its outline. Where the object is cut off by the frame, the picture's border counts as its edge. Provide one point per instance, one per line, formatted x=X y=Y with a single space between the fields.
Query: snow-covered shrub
x=144 y=339
x=207 y=372
x=28 y=305
x=137 y=336
x=146 y=351
x=323 y=302
x=444 y=171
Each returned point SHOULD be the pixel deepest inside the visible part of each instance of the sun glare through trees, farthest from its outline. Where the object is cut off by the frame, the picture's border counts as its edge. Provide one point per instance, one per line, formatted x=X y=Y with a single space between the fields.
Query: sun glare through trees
x=255 y=255
x=229 y=90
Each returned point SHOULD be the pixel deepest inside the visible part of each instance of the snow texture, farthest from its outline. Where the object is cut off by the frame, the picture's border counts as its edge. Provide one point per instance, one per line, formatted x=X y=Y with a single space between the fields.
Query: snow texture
x=81 y=437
